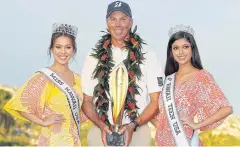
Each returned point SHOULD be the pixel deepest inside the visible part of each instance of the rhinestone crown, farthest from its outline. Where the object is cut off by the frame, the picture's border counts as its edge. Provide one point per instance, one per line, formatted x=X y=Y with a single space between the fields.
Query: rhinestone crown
x=179 y=28
x=65 y=28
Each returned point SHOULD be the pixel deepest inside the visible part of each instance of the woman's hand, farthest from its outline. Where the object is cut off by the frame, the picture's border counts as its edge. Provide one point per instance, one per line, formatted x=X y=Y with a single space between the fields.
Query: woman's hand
x=190 y=122
x=53 y=119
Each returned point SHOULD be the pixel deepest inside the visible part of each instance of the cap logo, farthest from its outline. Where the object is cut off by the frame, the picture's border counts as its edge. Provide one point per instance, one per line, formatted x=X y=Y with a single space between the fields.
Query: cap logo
x=118 y=4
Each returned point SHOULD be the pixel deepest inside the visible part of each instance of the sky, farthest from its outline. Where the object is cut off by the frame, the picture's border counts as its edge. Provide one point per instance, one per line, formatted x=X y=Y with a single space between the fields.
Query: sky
x=26 y=28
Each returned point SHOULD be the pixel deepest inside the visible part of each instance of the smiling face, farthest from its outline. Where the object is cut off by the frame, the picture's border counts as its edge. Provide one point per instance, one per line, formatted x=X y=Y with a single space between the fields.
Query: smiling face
x=182 y=51
x=62 y=50
x=119 y=25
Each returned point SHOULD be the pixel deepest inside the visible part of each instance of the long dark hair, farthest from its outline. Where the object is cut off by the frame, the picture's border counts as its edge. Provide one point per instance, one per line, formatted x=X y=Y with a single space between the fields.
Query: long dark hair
x=56 y=35
x=172 y=65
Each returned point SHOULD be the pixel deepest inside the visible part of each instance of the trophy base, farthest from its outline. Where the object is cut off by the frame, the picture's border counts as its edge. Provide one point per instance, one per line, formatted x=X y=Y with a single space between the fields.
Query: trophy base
x=115 y=139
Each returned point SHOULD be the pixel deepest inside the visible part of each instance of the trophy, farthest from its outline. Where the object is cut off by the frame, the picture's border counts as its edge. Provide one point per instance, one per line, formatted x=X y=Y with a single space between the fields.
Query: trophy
x=118 y=87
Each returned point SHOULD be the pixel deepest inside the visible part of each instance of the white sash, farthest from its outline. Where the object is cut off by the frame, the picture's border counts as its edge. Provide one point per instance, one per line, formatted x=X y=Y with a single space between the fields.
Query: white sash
x=72 y=99
x=172 y=115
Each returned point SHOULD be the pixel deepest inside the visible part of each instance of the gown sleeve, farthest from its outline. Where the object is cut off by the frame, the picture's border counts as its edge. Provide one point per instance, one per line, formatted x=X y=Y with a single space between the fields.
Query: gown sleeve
x=210 y=100
x=30 y=98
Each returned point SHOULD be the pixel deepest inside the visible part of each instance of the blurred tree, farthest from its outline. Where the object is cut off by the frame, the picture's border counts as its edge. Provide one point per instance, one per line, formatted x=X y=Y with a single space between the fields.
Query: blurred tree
x=6 y=120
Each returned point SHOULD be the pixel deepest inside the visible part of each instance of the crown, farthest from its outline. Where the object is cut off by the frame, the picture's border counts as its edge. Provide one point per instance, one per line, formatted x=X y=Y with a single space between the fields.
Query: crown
x=179 y=28
x=65 y=28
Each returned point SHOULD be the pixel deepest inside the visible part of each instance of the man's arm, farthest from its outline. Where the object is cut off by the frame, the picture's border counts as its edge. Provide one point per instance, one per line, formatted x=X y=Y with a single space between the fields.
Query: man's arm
x=92 y=114
x=88 y=84
x=150 y=111
x=90 y=111
x=154 y=85
x=147 y=115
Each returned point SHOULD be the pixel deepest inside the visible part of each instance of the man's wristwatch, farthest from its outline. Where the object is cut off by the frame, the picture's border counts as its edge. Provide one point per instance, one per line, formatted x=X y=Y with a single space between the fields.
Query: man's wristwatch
x=136 y=125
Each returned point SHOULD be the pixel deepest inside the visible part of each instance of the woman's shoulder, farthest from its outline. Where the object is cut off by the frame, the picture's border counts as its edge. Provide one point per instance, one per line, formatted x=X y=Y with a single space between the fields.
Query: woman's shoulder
x=36 y=83
x=77 y=79
x=77 y=76
x=38 y=77
x=204 y=76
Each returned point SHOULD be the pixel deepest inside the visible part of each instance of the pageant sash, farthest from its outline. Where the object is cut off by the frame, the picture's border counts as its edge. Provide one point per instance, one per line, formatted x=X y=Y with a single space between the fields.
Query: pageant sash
x=172 y=115
x=72 y=99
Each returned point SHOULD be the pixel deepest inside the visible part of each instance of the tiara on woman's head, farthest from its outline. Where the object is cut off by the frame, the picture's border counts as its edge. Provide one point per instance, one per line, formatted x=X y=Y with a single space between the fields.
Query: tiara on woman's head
x=65 y=28
x=179 y=28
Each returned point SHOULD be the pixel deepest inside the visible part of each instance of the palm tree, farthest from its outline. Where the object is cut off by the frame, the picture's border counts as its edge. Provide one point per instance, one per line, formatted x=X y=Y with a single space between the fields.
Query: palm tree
x=6 y=120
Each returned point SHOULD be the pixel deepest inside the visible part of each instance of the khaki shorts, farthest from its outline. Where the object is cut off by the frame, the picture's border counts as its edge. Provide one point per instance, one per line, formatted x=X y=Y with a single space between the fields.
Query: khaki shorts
x=142 y=137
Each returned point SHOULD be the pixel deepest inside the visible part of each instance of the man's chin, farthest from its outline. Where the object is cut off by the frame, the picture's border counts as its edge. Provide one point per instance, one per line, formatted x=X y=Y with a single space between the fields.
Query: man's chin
x=119 y=38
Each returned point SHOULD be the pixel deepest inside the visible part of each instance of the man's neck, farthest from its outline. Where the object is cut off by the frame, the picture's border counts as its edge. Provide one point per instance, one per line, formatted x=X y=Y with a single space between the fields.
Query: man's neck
x=119 y=44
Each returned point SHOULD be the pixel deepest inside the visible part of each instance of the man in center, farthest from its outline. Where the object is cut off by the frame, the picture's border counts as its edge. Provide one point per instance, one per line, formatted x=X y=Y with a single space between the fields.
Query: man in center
x=121 y=44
